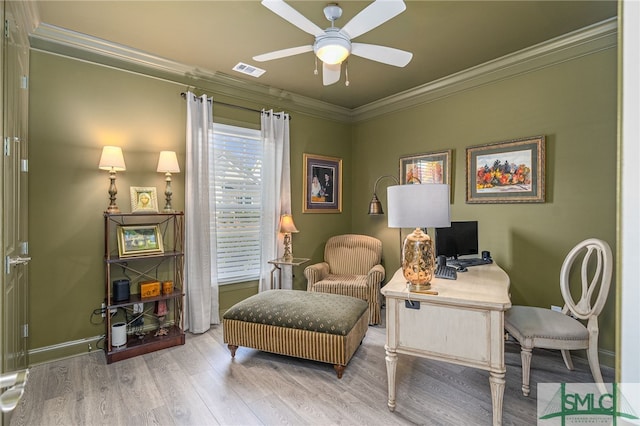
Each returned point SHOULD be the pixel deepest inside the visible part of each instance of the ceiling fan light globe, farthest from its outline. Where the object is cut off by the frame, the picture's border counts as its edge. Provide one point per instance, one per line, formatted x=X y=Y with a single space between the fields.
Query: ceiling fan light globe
x=333 y=48
x=332 y=54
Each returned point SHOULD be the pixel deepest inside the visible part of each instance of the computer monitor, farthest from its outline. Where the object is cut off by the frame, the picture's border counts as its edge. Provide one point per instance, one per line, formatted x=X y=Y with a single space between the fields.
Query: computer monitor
x=460 y=239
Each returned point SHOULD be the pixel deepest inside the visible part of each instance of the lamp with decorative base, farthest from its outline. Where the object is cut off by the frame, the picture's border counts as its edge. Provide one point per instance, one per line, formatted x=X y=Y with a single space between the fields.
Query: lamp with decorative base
x=419 y=206
x=113 y=161
x=167 y=164
x=287 y=227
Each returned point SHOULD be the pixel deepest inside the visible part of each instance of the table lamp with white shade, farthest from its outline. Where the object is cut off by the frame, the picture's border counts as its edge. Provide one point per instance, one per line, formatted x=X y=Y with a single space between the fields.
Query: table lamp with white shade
x=287 y=227
x=113 y=161
x=418 y=206
x=167 y=164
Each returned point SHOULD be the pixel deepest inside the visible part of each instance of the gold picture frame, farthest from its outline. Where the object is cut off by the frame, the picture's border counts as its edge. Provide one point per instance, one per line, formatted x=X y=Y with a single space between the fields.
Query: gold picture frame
x=507 y=172
x=322 y=184
x=139 y=240
x=144 y=199
x=429 y=167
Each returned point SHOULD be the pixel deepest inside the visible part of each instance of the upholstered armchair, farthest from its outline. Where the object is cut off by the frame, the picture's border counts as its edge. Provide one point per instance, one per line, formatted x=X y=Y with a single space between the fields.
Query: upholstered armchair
x=351 y=267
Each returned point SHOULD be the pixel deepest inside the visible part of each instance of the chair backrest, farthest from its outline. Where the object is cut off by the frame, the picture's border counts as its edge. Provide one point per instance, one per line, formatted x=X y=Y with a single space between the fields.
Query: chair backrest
x=595 y=274
x=352 y=253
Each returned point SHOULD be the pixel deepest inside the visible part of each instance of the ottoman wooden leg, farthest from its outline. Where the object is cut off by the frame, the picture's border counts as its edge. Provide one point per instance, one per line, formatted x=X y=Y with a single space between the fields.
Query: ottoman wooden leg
x=232 y=348
x=339 y=370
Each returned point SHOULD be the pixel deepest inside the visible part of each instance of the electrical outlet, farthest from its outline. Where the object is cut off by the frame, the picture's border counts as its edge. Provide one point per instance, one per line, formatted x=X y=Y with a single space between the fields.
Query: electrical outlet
x=556 y=308
x=103 y=310
x=138 y=308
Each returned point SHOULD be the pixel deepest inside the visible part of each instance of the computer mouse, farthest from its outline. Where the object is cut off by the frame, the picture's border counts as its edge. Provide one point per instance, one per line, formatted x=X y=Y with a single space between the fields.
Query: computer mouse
x=462 y=269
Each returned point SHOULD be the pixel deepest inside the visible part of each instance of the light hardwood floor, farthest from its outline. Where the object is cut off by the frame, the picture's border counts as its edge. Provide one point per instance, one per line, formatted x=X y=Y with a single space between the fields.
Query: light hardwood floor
x=199 y=384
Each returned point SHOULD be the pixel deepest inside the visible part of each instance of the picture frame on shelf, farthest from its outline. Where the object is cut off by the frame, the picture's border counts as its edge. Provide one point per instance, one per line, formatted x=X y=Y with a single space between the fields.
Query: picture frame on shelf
x=144 y=199
x=429 y=167
x=139 y=240
x=322 y=184
x=507 y=172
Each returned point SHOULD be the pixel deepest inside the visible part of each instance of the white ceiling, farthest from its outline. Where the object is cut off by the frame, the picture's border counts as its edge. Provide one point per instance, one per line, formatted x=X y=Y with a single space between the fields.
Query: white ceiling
x=445 y=37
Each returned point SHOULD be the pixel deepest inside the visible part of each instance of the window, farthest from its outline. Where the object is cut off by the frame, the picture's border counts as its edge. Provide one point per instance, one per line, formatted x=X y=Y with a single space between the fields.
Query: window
x=237 y=188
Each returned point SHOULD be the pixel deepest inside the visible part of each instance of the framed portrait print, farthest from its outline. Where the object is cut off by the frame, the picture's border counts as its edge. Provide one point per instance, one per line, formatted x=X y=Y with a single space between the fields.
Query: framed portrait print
x=322 y=184
x=144 y=199
x=139 y=240
x=507 y=172
x=430 y=167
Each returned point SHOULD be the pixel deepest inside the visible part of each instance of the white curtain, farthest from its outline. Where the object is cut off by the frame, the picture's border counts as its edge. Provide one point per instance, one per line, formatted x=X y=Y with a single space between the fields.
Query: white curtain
x=200 y=274
x=276 y=192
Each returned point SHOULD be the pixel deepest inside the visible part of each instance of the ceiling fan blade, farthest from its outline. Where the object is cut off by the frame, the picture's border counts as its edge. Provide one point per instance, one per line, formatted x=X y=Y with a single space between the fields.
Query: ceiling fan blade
x=330 y=74
x=288 y=13
x=377 y=13
x=277 y=54
x=384 y=54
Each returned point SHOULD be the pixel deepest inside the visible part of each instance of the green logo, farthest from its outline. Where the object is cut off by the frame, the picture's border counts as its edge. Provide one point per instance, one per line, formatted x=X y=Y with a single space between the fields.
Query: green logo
x=580 y=403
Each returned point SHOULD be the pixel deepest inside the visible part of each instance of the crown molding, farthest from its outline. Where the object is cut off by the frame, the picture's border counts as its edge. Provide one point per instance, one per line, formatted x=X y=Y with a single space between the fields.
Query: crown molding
x=53 y=39
x=588 y=40
x=582 y=42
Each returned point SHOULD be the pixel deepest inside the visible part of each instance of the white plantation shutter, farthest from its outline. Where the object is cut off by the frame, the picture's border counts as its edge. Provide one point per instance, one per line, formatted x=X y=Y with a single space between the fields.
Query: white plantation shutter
x=237 y=186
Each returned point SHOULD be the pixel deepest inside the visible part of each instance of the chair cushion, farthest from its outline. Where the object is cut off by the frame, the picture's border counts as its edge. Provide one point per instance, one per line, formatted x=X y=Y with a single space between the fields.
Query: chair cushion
x=319 y=312
x=533 y=323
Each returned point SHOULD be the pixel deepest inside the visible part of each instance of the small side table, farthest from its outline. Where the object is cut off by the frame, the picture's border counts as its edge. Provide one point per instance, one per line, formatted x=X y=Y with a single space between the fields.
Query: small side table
x=281 y=261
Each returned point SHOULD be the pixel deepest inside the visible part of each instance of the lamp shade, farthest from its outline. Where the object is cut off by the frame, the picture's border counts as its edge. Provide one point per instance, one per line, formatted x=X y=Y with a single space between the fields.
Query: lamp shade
x=418 y=206
x=287 y=225
x=168 y=162
x=112 y=159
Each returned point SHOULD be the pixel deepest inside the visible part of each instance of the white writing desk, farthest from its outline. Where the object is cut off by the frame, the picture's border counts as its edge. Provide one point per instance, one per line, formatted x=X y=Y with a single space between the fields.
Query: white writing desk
x=462 y=324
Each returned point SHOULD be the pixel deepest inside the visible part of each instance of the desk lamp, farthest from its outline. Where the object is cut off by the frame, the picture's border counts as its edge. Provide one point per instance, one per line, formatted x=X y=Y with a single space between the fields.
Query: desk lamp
x=287 y=227
x=167 y=164
x=420 y=206
x=112 y=160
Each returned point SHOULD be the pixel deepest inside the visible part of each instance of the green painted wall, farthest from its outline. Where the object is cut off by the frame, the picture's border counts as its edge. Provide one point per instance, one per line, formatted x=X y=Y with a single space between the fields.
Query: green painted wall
x=77 y=107
x=574 y=105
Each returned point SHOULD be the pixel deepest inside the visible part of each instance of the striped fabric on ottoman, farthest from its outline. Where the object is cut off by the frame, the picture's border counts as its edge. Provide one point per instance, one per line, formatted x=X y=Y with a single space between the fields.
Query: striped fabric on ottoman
x=316 y=326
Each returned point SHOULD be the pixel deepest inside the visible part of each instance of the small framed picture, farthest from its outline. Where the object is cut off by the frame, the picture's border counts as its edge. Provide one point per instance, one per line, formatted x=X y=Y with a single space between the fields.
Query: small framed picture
x=430 y=167
x=139 y=240
x=144 y=199
x=507 y=172
x=322 y=184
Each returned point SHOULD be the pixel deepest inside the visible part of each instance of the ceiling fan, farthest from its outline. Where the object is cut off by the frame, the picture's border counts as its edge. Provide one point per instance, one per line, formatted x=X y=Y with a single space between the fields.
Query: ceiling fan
x=333 y=45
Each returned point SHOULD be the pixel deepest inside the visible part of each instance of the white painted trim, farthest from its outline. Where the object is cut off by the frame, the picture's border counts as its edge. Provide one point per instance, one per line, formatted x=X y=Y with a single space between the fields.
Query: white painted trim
x=629 y=201
x=582 y=42
x=63 y=350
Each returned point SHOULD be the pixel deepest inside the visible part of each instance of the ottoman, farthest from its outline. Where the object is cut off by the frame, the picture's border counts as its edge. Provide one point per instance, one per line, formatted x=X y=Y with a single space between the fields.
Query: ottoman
x=317 y=326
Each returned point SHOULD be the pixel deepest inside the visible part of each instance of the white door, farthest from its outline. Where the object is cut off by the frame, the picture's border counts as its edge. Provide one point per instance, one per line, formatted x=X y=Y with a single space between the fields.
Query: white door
x=15 y=253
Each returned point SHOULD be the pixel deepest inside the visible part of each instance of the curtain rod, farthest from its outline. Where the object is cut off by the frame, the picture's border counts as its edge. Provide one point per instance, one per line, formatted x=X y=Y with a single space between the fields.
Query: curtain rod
x=184 y=95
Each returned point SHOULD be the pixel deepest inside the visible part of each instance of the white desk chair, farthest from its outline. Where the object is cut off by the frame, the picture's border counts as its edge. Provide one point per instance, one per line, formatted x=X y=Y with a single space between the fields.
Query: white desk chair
x=544 y=328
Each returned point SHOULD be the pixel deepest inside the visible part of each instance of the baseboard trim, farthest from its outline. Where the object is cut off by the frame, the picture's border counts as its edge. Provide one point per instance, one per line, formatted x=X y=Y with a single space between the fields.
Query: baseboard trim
x=63 y=350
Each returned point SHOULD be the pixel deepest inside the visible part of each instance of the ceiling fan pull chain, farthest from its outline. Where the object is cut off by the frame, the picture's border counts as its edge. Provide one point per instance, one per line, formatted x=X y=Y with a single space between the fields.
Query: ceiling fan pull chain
x=315 y=72
x=346 y=73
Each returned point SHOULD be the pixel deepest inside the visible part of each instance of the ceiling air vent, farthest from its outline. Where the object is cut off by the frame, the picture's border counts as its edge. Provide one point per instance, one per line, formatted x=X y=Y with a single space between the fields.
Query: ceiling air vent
x=248 y=69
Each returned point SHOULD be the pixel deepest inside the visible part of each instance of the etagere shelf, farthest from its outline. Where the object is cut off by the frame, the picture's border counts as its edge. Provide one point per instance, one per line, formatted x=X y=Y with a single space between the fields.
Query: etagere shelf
x=155 y=322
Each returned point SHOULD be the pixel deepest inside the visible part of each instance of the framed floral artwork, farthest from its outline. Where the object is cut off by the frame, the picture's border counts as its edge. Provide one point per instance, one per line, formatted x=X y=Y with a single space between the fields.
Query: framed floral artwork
x=430 y=167
x=507 y=172
x=322 y=184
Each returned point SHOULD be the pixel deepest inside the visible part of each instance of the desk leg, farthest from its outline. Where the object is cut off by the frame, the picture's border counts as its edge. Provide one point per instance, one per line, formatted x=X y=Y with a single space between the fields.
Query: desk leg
x=496 y=380
x=392 y=362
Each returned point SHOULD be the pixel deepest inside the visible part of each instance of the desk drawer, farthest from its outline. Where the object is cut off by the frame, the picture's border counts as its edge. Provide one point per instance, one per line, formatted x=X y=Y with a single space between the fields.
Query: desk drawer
x=442 y=331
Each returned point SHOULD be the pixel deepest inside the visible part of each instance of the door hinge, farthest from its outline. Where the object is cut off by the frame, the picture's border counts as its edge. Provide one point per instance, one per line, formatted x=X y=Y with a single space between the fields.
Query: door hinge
x=25 y=330
x=6 y=28
x=7 y=146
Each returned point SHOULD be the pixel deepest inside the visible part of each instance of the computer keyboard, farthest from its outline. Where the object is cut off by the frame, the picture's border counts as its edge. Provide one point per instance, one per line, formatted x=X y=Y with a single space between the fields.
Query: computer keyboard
x=446 y=272
x=473 y=261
